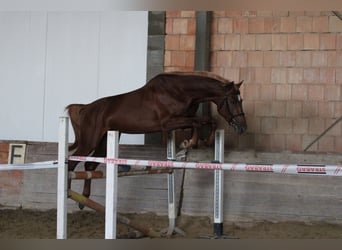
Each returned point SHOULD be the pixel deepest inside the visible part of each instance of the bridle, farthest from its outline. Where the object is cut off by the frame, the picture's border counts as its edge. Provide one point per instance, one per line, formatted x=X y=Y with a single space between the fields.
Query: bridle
x=226 y=102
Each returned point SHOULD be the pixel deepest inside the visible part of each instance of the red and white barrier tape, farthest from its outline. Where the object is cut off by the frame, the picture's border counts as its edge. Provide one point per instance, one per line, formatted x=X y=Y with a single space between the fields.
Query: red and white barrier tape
x=331 y=170
x=29 y=166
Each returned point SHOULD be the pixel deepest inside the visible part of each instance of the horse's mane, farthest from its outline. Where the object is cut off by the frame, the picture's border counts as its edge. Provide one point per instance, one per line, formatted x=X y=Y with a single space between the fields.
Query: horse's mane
x=200 y=73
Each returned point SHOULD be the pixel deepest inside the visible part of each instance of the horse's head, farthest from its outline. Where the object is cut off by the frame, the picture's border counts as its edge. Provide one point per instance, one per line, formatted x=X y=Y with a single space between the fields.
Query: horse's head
x=230 y=107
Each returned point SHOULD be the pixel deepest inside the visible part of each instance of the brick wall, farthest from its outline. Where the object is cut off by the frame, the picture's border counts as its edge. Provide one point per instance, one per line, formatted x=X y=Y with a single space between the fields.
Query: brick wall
x=291 y=63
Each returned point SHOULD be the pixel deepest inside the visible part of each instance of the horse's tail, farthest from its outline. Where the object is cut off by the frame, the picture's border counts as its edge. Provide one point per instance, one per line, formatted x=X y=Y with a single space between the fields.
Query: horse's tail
x=74 y=114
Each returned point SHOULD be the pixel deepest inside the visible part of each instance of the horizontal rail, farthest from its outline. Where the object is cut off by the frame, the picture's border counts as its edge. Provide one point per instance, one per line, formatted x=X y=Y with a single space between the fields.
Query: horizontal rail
x=330 y=170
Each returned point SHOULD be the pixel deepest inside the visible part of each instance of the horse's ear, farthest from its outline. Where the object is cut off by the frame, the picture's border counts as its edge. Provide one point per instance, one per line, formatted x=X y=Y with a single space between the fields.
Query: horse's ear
x=239 y=84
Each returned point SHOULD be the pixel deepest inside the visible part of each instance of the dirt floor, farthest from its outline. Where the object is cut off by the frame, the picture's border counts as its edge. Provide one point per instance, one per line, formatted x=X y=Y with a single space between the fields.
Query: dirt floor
x=29 y=224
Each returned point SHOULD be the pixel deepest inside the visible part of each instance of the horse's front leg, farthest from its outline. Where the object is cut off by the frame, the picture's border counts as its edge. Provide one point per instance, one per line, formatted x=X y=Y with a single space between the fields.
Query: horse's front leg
x=193 y=142
x=211 y=136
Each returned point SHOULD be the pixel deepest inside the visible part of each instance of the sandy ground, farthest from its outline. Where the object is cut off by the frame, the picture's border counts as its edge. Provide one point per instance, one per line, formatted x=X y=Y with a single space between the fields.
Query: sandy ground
x=30 y=224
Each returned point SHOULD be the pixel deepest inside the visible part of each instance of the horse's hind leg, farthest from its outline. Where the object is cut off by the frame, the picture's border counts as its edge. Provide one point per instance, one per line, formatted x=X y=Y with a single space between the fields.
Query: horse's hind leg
x=100 y=151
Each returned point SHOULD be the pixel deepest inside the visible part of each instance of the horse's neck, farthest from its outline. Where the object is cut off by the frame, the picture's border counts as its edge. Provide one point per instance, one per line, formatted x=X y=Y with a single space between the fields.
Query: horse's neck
x=206 y=92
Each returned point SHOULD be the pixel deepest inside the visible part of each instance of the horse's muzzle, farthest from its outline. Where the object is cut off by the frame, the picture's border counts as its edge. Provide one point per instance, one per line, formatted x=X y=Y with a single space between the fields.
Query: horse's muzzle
x=239 y=125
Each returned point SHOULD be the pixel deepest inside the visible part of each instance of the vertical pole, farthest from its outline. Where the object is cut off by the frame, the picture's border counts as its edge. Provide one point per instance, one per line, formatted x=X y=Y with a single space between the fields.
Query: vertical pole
x=171 y=155
x=62 y=181
x=218 y=184
x=111 y=185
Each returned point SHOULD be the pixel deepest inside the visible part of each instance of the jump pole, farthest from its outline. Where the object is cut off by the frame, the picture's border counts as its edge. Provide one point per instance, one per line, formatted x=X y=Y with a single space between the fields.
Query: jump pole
x=111 y=185
x=218 y=184
x=62 y=181
x=171 y=156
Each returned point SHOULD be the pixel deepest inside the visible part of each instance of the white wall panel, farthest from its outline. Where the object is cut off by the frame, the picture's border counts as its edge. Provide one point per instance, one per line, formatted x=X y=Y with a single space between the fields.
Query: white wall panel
x=51 y=59
x=22 y=58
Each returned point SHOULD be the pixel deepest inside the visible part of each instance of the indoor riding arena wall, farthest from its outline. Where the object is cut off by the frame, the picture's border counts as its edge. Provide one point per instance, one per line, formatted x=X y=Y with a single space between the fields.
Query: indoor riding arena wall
x=291 y=64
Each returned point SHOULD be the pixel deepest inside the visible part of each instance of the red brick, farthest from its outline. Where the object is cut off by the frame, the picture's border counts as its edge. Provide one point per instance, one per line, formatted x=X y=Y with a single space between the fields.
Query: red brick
x=225 y=25
x=232 y=74
x=294 y=109
x=326 y=144
x=299 y=92
x=262 y=142
x=279 y=42
x=304 y=24
x=247 y=42
x=178 y=58
x=311 y=41
x=338 y=109
x=224 y=58
x=189 y=59
x=339 y=75
x=278 y=109
x=294 y=143
x=272 y=25
x=332 y=93
x=300 y=126
x=167 y=58
x=295 y=42
x=217 y=42
x=283 y=92
x=279 y=75
x=263 y=75
x=240 y=25
x=185 y=13
x=280 y=13
x=334 y=24
x=191 y=26
x=232 y=42
x=3 y=157
x=296 y=13
x=339 y=41
x=255 y=59
x=187 y=42
x=327 y=75
x=263 y=42
x=338 y=144
x=310 y=109
x=262 y=108
x=256 y=25
x=336 y=130
x=239 y=59
x=180 y=26
x=233 y=13
x=173 y=13
x=315 y=92
x=172 y=42
x=268 y=125
x=277 y=143
x=326 y=109
x=271 y=58
x=267 y=92
x=169 y=26
x=284 y=126
x=254 y=124
x=319 y=59
x=303 y=58
x=264 y=13
x=287 y=58
x=288 y=24
x=327 y=41
x=247 y=74
x=307 y=139
x=316 y=126
x=295 y=75
x=311 y=75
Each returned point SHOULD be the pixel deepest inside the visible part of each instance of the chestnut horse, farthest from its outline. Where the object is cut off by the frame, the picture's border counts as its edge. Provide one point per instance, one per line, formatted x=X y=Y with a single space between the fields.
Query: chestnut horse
x=167 y=102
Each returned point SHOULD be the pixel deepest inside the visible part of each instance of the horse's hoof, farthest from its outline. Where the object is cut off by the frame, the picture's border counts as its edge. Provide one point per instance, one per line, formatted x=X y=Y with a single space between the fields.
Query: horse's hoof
x=185 y=144
x=81 y=205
